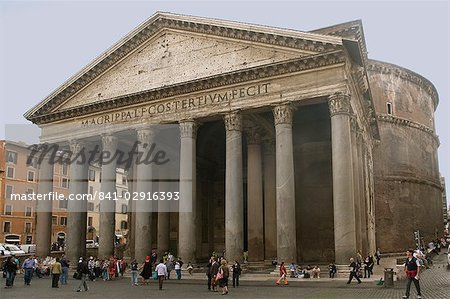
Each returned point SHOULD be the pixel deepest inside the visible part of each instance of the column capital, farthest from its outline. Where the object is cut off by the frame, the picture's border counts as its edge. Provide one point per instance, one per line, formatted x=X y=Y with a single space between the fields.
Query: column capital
x=233 y=121
x=339 y=103
x=109 y=142
x=76 y=146
x=145 y=134
x=283 y=114
x=188 y=129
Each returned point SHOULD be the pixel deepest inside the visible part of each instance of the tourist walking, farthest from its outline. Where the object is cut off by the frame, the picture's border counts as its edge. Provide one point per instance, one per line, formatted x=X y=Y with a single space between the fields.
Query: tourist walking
x=169 y=265
x=236 y=273
x=353 y=271
x=161 y=270
x=28 y=266
x=283 y=275
x=83 y=272
x=178 y=269
x=56 y=270
x=208 y=273
x=223 y=275
x=64 y=270
x=10 y=268
x=412 y=270
x=134 y=272
x=378 y=256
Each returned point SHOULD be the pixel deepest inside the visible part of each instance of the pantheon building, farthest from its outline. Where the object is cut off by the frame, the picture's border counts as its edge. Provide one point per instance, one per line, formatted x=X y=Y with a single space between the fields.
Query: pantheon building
x=292 y=145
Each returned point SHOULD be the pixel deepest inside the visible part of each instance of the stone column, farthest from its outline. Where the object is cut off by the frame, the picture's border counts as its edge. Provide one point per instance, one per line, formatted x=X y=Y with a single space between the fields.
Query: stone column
x=255 y=212
x=77 y=209
x=188 y=200
x=285 y=192
x=142 y=234
x=108 y=206
x=343 y=197
x=234 y=204
x=356 y=177
x=163 y=232
x=362 y=198
x=44 y=209
x=270 y=203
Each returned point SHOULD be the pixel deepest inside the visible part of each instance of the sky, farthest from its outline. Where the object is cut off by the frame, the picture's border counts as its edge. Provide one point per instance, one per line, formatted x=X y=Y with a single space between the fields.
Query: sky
x=42 y=44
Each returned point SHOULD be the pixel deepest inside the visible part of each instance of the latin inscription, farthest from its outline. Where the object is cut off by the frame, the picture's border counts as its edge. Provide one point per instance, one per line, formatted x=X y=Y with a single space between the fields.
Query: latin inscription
x=173 y=106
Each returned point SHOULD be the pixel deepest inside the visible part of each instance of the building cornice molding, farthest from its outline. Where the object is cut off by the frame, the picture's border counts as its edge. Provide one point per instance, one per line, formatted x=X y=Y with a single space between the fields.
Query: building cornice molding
x=405 y=74
x=196 y=25
x=412 y=180
x=235 y=77
x=408 y=123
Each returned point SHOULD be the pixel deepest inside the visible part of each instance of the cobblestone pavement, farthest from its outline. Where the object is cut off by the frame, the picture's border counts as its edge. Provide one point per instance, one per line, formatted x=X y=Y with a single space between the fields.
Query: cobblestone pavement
x=435 y=284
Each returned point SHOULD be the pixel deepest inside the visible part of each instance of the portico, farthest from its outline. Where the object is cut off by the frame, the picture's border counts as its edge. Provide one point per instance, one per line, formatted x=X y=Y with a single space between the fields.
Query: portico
x=269 y=158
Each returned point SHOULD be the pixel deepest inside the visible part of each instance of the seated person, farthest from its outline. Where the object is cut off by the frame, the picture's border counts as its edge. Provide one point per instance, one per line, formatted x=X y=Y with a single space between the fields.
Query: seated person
x=316 y=272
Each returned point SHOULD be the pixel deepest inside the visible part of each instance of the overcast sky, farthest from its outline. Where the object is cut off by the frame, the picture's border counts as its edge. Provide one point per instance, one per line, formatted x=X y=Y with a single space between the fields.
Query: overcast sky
x=44 y=43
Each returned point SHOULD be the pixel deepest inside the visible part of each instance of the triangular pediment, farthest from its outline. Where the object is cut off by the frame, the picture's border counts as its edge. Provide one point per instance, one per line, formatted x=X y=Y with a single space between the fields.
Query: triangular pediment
x=170 y=49
x=173 y=57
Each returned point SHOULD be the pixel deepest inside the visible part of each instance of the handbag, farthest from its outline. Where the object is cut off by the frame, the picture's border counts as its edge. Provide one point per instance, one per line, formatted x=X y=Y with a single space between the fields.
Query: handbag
x=219 y=275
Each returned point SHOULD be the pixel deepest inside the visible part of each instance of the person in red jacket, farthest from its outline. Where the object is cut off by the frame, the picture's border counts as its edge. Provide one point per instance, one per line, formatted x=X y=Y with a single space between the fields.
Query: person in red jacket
x=283 y=274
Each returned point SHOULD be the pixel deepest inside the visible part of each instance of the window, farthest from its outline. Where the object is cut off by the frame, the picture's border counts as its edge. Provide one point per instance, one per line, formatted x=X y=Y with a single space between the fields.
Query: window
x=124 y=180
x=100 y=177
x=123 y=224
x=10 y=172
x=54 y=220
x=8 y=210
x=65 y=183
x=63 y=203
x=33 y=162
x=63 y=221
x=91 y=190
x=30 y=190
x=124 y=209
x=64 y=169
x=6 y=227
x=30 y=176
x=8 y=191
x=91 y=175
x=389 y=108
x=89 y=221
x=90 y=206
x=28 y=211
x=11 y=157
x=28 y=228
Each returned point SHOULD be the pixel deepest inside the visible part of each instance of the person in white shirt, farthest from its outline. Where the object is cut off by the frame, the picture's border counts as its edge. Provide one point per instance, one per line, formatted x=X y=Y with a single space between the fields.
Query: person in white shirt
x=161 y=269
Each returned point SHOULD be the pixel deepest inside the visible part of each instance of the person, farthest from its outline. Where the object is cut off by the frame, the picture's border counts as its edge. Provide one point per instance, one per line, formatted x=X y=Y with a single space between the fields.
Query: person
x=189 y=268
x=10 y=268
x=161 y=269
x=105 y=270
x=154 y=258
x=353 y=271
x=332 y=270
x=208 y=273
x=283 y=274
x=64 y=270
x=178 y=269
x=169 y=265
x=223 y=275
x=412 y=270
x=214 y=271
x=316 y=272
x=134 y=273
x=146 y=269
x=56 y=272
x=293 y=269
x=236 y=273
x=28 y=266
x=91 y=265
x=83 y=272
x=371 y=263
x=378 y=256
